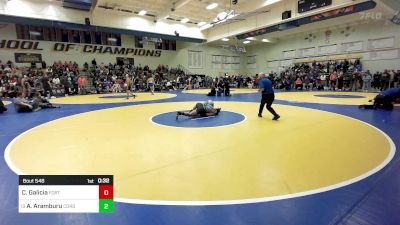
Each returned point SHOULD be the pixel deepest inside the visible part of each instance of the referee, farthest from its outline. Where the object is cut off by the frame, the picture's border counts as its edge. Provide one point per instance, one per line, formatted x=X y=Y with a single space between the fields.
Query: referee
x=267 y=95
x=384 y=100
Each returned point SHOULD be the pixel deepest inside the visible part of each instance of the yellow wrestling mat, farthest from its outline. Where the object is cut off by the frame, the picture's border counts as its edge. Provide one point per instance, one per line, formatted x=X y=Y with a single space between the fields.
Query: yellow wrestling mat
x=233 y=91
x=110 y=98
x=342 y=98
x=7 y=102
x=257 y=158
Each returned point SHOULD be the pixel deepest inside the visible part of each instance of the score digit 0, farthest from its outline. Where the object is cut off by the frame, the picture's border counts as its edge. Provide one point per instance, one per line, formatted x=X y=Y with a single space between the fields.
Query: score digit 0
x=106 y=192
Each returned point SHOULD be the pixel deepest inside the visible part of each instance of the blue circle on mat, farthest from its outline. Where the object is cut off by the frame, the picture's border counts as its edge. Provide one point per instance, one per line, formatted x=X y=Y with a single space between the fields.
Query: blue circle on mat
x=114 y=96
x=340 y=96
x=224 y=118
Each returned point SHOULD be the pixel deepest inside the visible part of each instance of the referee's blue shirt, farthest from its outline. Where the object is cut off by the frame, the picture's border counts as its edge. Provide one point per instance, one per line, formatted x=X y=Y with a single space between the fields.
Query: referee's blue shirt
x=393 y=92
x=267 y=85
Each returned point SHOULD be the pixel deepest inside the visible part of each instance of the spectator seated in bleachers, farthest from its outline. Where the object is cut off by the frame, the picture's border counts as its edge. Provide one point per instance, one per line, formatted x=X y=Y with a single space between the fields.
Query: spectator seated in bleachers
x=65 y=78
x=299 y=84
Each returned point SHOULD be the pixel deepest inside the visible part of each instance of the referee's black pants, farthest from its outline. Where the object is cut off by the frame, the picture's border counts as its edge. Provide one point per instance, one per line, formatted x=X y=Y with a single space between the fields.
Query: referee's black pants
x=267 y=99
x=381 y=102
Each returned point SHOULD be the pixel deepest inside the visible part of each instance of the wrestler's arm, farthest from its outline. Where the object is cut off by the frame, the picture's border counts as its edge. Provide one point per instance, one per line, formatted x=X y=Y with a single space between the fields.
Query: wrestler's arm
x=213 y=112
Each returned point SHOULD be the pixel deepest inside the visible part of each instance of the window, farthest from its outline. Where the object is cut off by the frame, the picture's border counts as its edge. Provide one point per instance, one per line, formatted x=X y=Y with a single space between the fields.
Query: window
x=113 y=39
x=87 y=37
x=158 y=45
x=64 y=35
x=36 y=33
x=97 y=38
x=166 y=45
x=22 y=31
x=104 y=38
x=139 y=42
x=76 y=36
x=58 y=35
x=49 y=34
x=42 y=33
x=195 y=59
x=172 y=45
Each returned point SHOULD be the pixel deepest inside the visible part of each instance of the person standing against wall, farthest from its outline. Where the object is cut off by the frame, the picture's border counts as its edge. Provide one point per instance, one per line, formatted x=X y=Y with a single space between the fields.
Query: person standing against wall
x=340 y=81
x=391 y=78
x=366 y=77
x=81 y=85
x=151 y=84
x=323 y=80
x=397 y=79
x=267 y=96
x=385 y=78
x=46 y=86
x=332 y=79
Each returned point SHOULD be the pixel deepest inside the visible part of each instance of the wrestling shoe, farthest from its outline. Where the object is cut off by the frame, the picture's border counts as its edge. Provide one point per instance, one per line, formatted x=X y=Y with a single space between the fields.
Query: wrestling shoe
x=218 y=110
x=276 y=117
x=259 y=115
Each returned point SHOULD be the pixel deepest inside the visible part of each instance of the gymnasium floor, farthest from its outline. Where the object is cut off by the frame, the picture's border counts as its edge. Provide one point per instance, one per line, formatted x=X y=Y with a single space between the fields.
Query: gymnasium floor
x=324 y=162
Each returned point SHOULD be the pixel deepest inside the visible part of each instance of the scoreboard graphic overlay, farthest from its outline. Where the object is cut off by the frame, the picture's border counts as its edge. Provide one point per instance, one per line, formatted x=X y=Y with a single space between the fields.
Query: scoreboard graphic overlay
x=66 y=194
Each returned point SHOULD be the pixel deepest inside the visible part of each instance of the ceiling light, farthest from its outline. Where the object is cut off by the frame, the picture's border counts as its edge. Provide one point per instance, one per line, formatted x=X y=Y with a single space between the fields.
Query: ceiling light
x=246 y=42
x=265 y=40
x=205 y=26
x=142 y=12
x=225 y=39
x=184 y=20
x=231 y=16
x=270 y=2
x=212 y=6
x=251 y=38
x=201 y=24
x=221 y=15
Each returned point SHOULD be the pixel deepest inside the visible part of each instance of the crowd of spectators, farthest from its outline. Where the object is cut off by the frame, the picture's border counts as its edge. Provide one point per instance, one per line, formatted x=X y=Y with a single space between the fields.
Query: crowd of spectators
x=111 y=78
x=67 y=78
x=340 y=75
